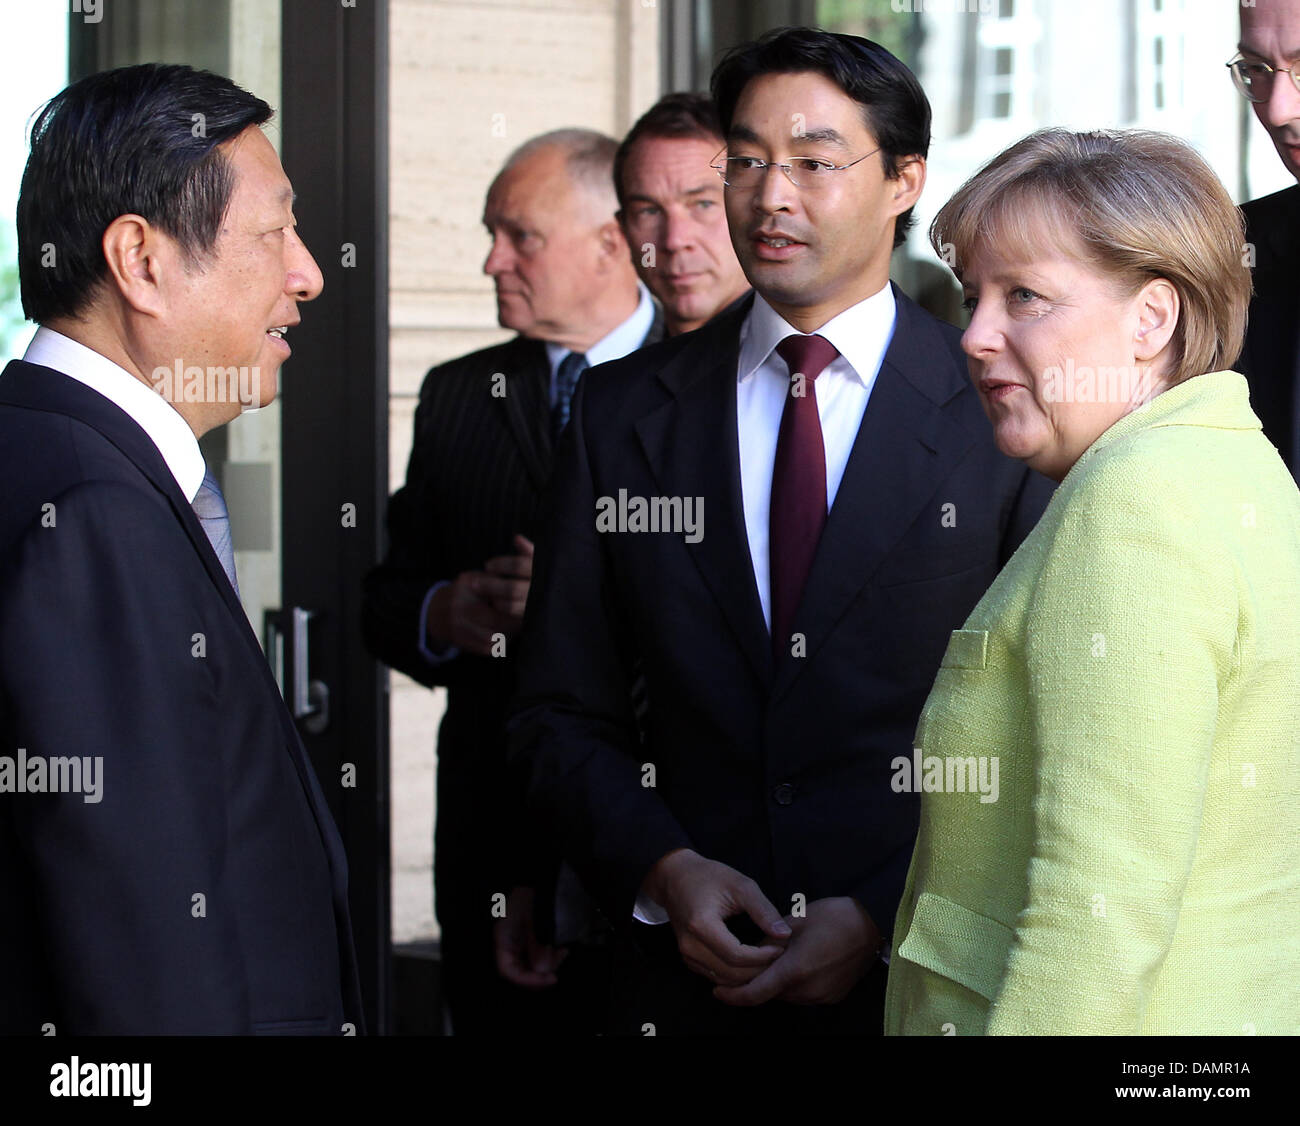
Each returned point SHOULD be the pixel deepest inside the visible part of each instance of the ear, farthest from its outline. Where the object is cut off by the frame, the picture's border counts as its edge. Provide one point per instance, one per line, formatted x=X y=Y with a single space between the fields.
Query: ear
x=1157 y=307
x=613 y=246
x=908 y=184
x=139 y=257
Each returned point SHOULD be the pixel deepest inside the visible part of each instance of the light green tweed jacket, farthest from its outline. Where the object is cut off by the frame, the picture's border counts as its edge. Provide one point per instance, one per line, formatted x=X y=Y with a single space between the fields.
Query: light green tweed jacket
x=1135 y=670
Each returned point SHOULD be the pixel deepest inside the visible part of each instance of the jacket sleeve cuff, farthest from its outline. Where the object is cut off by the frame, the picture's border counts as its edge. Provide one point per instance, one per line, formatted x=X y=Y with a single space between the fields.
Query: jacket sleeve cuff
x=434 y=657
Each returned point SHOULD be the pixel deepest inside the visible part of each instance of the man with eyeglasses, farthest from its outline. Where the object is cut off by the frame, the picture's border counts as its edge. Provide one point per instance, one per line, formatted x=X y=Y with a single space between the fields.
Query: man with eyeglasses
x=851 y=509
x=445 y=604
x=1264 y=71
x=670 y=205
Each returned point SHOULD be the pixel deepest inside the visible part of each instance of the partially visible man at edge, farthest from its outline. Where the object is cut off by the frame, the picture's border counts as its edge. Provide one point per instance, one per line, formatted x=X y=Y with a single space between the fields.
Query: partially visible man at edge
x=671 y=208
x=202 y=888
x=1264 y=73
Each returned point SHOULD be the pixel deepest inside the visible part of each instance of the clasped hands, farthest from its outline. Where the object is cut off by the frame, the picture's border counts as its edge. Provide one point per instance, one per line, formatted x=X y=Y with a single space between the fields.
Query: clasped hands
x=815 y=959
x=470 y=611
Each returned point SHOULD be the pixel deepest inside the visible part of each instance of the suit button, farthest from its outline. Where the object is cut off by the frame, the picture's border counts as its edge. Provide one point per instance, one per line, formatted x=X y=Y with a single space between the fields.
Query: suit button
x=784 y=794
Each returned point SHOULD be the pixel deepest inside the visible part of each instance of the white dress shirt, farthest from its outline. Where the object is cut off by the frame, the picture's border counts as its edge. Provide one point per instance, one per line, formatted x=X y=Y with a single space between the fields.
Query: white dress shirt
x=626 y=337
x=862 y=334
x=154 y=414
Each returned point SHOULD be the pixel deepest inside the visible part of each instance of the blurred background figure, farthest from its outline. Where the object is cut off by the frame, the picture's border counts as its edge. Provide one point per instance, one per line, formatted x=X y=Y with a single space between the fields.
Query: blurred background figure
x=447 y=601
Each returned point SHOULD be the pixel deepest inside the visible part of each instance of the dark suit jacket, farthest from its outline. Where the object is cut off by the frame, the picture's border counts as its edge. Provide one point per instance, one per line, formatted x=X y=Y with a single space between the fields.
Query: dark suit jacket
x=780 y=769
x=480 y=461
x=207 y=791
x=1269 y=358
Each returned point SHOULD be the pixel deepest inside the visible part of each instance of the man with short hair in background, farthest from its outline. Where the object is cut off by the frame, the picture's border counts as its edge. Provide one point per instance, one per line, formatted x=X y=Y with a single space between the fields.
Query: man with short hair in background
x=200 y=885
x=1264 y=71
x=446 y=603
x=670 y=205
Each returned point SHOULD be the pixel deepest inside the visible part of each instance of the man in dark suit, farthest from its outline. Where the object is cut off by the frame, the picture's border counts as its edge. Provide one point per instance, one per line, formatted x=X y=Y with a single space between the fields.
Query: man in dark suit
x=1270 y=358
x=446 y=603
x=199 y=884
x=670 y=206
x=780 y=518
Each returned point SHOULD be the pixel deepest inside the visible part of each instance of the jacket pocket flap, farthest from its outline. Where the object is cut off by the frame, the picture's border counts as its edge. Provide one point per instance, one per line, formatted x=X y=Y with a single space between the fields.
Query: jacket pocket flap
x=967 y=649
x=957 y=943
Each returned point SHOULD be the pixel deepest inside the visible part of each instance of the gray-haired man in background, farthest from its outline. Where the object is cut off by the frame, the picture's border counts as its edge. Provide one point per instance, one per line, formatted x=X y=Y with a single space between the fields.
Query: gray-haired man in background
x=446 y=603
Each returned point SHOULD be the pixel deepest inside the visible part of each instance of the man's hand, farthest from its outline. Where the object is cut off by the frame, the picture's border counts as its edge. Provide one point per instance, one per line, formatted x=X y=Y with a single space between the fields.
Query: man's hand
x=506 y=584
x=832 y=947
x=699 y=896
x=470 y=611
x=459 y=615
x=520 y=957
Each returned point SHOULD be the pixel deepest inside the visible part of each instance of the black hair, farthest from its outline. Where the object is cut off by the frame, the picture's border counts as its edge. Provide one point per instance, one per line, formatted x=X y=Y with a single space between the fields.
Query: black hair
x=138 y=140
x=894 y=106
x=673 y=115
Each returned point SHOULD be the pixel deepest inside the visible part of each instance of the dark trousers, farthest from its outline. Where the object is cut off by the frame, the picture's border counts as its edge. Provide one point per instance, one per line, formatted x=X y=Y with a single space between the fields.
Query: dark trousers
x=482 y=1003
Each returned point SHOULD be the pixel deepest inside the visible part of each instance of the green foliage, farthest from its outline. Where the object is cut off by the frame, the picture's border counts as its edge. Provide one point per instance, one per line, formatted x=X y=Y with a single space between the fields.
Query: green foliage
x=874 y=19
x=14 y=329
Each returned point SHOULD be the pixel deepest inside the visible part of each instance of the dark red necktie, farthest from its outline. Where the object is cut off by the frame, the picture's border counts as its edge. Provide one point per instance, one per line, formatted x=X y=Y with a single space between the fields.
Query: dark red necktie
x=798 y=510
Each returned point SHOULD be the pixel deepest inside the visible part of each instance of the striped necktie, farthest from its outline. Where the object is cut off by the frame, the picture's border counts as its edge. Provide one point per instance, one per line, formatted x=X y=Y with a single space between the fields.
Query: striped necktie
x=210 y=508
x=566 y=379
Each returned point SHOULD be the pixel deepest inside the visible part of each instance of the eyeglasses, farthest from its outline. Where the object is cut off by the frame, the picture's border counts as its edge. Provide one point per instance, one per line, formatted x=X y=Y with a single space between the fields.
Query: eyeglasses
x=802 y=172
x=1255 y=79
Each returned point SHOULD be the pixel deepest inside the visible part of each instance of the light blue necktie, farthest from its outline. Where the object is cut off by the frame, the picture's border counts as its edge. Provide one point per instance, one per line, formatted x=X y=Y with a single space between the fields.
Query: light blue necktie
x=210 y=508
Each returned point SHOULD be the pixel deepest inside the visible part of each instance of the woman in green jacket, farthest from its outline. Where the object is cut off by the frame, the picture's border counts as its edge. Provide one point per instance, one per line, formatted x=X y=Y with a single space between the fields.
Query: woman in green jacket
x=1110 y=755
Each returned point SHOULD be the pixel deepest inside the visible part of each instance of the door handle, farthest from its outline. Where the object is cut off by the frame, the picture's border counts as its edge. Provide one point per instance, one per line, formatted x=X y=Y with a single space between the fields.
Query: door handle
x=288 y=649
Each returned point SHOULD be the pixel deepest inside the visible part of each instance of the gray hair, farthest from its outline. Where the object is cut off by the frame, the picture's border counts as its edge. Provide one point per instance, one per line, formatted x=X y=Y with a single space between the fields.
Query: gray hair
x=589 y=156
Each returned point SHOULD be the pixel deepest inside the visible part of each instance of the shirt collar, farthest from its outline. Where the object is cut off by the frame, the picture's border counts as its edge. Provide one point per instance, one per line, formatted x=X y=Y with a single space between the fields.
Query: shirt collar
x=860 y=333
x=627 y=337
x=155 y=416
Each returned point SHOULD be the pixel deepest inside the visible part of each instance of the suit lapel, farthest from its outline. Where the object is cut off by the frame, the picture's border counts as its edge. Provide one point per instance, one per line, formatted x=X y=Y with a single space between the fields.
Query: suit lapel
x=527 y=406
x=1272 y=352
x=693 y=450
x=527 y=402
x=904 y=449
x=45 y=389
x=40 y=388
x=30 y=385
x=656 y=331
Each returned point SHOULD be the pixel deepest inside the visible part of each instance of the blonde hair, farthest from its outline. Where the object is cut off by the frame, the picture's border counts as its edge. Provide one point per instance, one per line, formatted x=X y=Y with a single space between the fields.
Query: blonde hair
x=1142 y=205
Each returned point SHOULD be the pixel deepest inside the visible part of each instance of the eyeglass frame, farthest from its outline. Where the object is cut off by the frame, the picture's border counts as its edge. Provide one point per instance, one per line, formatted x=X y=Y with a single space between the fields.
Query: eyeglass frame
x=786 y=167
x=1231 y=64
